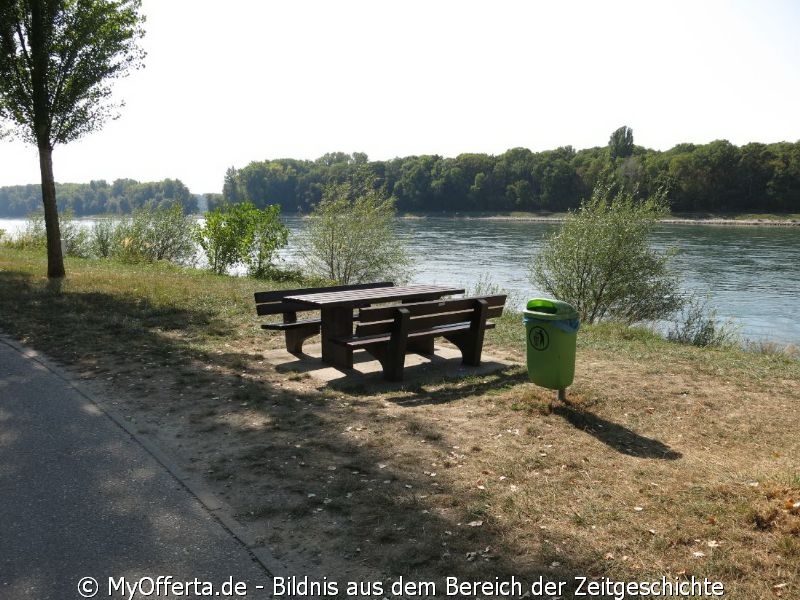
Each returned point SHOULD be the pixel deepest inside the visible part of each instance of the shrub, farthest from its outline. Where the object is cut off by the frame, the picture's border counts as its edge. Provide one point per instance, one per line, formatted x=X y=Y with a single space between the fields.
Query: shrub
x=600 y=260
x=486 y=286
x=350 y=238
x=153 y=234
x=103 y=238
x=242 y=234
x=771 y=348
x=74 y=237
x=33 y=236
x=268 y=234
x=696 y=324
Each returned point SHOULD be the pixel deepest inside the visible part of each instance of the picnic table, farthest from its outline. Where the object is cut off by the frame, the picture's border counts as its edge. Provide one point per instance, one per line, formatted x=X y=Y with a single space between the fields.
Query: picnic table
x=336 y=312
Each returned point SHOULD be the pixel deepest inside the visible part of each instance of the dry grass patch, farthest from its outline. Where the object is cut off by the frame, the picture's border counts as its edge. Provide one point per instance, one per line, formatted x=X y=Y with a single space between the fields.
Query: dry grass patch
x=667 y=460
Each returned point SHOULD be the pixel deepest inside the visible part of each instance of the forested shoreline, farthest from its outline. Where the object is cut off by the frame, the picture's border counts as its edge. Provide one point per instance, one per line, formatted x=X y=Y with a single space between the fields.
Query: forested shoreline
x=123 y=196
x=713 y=178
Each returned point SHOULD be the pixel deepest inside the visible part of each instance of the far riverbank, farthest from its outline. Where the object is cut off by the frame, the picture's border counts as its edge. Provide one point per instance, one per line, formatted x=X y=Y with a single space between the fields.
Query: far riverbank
x=731 y=221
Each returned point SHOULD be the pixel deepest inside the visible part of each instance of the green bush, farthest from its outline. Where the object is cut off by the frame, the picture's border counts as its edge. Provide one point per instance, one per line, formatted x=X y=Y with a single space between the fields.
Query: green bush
x=486 y=286
x=696 y=324
x=350 y=238
x=153 y=234
x=74 y=237
x=103 y=238
x=242 y=234
x=33 y=235
x=268 y=234
x=601 y=261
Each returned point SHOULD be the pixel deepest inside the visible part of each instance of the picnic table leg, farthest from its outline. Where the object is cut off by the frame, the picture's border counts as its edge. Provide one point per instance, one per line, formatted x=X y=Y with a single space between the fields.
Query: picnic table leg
x=337 y=322
x=296 y=336
x=473 y=343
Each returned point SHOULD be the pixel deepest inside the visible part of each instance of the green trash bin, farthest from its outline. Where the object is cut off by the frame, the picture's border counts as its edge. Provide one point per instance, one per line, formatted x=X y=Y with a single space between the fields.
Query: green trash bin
x=551 y=328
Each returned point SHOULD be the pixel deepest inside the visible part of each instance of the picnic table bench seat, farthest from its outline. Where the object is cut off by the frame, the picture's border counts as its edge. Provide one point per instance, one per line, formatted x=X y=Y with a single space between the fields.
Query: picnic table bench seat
x=298 y=330
x=390 y=332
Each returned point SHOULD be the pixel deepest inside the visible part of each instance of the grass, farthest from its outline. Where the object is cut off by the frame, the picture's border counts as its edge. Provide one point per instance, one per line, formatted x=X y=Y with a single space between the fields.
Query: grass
x=668 y=460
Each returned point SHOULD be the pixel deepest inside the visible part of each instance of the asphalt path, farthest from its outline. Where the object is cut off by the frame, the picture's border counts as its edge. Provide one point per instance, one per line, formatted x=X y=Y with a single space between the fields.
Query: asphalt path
x=81 y=498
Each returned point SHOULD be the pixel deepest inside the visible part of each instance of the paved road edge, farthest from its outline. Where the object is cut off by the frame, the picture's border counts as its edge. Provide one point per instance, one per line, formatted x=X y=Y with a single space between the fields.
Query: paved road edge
x=217 y=507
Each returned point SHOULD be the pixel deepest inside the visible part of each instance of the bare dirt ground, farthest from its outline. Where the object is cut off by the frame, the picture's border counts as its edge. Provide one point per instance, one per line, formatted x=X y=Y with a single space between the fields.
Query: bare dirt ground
x=651 y=468
x=668 y=461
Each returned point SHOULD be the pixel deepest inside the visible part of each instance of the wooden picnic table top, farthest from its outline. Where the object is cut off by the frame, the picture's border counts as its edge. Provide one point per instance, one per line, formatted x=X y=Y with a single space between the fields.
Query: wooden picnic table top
x=365 y=297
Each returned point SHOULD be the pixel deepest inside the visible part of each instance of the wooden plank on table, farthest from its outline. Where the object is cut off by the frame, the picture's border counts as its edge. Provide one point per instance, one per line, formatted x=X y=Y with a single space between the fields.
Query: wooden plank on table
x=274 y=301
x=355 y=297
x=382 y=313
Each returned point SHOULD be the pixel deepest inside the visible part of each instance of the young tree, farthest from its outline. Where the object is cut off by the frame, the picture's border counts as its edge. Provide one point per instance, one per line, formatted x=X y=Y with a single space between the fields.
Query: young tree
x=601 y=261
x=350 y=238
x=242 y=234
x=57 y=58
x=269 y=234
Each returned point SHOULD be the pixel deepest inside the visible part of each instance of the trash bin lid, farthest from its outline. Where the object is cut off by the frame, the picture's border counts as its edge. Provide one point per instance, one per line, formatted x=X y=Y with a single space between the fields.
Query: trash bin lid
x=550 y=310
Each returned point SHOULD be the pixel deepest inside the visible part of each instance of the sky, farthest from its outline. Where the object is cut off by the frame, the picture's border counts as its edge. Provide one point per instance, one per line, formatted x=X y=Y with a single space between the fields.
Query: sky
x=228 y=83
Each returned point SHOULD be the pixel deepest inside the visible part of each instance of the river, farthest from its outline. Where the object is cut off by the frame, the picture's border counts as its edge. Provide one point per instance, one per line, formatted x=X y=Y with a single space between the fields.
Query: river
x=751 y=273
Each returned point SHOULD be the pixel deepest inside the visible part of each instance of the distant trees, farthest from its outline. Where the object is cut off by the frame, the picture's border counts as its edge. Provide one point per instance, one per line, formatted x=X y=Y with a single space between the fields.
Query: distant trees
x=621 y=143
x=714 y=177
x=122 y=196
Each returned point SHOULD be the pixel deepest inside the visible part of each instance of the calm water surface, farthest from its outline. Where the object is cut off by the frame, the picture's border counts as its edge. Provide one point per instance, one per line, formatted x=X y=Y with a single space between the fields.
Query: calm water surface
x=751 y=273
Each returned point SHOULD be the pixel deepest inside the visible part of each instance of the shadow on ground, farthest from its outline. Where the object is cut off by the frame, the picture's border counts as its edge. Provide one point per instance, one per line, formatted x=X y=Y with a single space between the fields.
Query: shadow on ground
x=616 y=436
x=281 y=457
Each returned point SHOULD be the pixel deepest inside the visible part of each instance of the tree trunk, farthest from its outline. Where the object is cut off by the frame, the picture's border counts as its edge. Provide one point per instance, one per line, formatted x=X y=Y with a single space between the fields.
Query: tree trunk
x=55 y=259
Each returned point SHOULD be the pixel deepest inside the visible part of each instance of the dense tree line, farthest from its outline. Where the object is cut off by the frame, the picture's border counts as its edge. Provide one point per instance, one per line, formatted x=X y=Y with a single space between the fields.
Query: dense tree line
x=715 y=177
x=123 y=196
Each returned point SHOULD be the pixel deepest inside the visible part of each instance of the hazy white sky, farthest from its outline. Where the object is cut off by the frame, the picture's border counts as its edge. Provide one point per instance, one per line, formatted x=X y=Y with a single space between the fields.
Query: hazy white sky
x=227 y=83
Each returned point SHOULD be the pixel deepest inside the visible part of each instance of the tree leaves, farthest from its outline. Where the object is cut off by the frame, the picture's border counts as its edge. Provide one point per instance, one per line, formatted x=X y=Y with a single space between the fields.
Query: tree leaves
x=242 y=234
x=57 y=58
x=350 y=238
x=601 y=262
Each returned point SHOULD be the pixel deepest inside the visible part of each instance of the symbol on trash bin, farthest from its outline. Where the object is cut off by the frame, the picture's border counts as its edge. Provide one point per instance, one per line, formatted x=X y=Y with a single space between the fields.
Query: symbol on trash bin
x=539 y=338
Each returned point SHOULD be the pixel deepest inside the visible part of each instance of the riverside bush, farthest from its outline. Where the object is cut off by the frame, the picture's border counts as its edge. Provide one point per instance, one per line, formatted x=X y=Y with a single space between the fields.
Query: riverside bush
x=242 y=234
x=601 y=262
x=153 y=234
x=350 y=238
x=103 y=238
x=75 y=238
x=33 y=236
x=697 y=324
x=486 y=286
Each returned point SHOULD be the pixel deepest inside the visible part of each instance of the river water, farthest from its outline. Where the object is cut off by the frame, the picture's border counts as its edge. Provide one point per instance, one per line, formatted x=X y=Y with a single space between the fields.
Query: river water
x=751 y=273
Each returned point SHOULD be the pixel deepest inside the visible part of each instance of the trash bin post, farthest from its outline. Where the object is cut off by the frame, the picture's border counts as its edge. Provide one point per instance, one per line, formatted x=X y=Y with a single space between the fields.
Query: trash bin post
x=551 y=328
